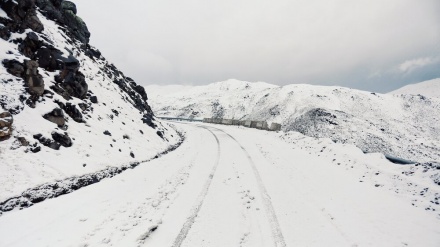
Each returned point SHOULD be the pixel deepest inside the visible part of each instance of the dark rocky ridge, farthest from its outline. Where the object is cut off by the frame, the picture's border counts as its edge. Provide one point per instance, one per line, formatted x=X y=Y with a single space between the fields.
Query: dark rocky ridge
x=43 y=55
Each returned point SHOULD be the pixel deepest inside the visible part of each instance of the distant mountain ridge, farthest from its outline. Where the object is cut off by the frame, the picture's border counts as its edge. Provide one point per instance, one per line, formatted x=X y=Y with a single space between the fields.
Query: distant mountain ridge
x=401 y=125
x=429 y=88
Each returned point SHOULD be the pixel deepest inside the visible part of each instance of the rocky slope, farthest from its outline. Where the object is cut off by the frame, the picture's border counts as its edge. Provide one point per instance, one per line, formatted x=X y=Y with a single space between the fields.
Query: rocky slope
x=405 y=126
x=66 y=111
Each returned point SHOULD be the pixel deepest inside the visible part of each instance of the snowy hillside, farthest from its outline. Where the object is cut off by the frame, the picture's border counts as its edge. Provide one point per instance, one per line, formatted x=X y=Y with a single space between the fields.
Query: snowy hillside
x=429 y=88
x=406 y=126
x=68 y=117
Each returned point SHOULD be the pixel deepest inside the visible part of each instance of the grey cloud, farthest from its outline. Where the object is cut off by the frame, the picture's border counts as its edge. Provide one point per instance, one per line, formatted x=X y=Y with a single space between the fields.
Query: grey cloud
x=327 y=42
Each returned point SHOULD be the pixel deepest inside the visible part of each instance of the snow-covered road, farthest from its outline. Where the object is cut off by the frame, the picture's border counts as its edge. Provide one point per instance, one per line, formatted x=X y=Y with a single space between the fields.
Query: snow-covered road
x=226 y=186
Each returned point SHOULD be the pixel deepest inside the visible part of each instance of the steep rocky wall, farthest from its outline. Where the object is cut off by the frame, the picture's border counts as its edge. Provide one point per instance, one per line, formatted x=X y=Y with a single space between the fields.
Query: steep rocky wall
x=22 y=26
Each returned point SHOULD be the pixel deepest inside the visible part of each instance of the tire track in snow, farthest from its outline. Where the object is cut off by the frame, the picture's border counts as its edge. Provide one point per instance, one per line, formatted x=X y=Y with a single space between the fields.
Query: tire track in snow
x=200 y=199
x=270 y=211
x=307 y=199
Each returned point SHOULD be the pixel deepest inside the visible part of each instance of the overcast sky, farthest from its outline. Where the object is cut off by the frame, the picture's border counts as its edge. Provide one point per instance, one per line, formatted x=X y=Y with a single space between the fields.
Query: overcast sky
x=377 y=45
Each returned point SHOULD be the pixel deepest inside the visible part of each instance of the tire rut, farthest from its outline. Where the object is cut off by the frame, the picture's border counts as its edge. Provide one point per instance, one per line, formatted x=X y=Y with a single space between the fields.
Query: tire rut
x=200 y=199
x=269 y=209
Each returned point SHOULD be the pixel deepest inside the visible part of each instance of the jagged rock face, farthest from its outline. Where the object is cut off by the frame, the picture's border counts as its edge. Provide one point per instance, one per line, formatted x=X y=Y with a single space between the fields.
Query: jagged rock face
x=23 y=15
x=6 y=121
x=64 y=12
x=53 y=69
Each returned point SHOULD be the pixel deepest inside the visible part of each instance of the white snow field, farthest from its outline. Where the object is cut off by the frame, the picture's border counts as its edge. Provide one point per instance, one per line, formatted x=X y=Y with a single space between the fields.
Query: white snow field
x=429 y=88
x=406 y=126
x=233 y=186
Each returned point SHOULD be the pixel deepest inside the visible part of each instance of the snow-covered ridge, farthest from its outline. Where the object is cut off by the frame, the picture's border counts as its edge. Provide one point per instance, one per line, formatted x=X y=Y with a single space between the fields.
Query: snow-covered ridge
x=74 y=113
x=405 y=126
x=429 y=88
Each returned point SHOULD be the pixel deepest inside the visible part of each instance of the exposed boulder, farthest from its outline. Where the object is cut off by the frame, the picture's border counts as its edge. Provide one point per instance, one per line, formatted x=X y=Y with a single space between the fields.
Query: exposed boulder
x=49 y=58
x=67 y=5
x=30 y=45
x=75 y=84
x=14 y=67
x=56 y=116
x=35 y=149
x=76 y=25
x=94 y=99
x=50 y=8
x=6 y=121
x=72 y=111
x=64 y=12
x=72 y=80
x=34 y=81
x=47 y=142
x=63 y=139
x=31 y=21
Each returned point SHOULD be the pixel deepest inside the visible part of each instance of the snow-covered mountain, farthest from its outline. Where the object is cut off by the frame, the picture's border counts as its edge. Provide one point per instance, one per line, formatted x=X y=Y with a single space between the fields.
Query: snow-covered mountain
x=68 y=117
x=405 y=126
x=429 y=88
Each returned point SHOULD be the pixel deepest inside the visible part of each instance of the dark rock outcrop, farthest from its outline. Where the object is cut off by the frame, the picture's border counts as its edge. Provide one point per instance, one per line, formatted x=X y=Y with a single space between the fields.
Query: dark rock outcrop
x=56 y=116
x=30 y=45
x=46 y=55
x=64 y=12
x=94 y=99
x=71 y=82
x=67 y=5
x=34 y=81
x=14 y=67
x=23 y=16
x=72 y=111
x=75 y=84
x=49 y=58
x=6 y=121
x=148 y=120
x=62 y=139
x=47 y=142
